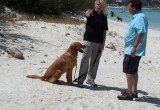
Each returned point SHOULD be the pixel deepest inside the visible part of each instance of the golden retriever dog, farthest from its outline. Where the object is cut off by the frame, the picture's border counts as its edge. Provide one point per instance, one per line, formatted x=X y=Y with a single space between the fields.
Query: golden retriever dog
x=64 y=64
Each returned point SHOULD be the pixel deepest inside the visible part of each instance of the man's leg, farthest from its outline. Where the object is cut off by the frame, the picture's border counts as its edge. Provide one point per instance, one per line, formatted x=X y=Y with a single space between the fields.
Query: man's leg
x=135 y=82
x=127 y=67
x=130 y=82
x=127 y=95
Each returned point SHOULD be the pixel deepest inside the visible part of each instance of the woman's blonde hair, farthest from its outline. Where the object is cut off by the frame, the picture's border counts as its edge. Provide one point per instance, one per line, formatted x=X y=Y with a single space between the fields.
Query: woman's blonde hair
x=104 y=6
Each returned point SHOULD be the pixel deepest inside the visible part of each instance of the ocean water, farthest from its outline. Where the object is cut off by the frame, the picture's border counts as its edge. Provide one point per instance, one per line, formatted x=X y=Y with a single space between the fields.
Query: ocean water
x=152 y=15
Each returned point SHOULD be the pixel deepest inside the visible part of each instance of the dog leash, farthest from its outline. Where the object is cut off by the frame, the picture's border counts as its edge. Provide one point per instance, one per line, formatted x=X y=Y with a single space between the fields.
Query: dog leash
x=76 y=79
x=75 y=70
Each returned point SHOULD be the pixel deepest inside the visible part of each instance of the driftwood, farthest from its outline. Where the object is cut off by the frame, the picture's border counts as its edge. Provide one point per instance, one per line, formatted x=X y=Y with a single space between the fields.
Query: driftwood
x=111 y=46
x=15 y=53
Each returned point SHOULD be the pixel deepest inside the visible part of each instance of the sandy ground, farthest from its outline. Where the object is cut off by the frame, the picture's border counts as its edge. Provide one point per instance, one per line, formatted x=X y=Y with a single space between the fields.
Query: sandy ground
x=43 y=42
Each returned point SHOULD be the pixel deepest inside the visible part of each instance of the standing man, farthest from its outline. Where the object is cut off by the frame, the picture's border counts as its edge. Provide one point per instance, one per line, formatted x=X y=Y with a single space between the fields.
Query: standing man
x=94 y=39
x=135 y=45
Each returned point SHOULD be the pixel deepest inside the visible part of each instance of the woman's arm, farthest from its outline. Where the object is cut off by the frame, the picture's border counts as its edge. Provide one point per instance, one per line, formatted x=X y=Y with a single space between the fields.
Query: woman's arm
x=89 y=12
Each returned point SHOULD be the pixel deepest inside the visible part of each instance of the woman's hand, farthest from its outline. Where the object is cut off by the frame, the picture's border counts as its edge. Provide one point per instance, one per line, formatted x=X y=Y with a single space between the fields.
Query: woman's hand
x=102 y=46
x=89 y=12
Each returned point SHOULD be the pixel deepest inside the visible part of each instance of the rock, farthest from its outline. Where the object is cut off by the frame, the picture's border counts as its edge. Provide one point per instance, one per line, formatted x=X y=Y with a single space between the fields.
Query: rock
x=67 y=34
x=112 y=33
x=14 y=52
x=1 y=34
x=46 y=55
x=43 y=61
x=32 y=46
x=3 y=40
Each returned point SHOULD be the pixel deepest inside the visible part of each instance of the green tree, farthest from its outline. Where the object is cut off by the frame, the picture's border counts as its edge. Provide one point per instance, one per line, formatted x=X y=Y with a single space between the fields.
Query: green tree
x=51 y=7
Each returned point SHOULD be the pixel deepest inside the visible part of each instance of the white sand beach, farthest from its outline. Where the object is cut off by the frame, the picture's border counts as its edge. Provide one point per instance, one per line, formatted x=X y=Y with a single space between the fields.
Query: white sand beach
x=41 y=43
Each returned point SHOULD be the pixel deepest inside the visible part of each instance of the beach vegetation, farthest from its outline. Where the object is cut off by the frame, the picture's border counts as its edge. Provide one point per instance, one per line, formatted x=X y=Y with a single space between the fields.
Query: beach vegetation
x=48 y=7
x=43 y=10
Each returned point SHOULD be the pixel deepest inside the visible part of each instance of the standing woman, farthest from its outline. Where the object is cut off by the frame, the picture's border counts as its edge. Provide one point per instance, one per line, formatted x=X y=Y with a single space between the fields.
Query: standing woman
x=94 y=39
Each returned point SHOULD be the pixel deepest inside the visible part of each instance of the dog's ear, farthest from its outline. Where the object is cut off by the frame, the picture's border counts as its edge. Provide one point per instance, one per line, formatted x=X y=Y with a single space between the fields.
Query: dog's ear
x=73 y=47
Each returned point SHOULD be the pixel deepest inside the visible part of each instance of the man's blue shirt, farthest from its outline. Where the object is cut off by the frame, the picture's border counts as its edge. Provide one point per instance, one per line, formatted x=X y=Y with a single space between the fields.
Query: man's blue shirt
x=138 y=25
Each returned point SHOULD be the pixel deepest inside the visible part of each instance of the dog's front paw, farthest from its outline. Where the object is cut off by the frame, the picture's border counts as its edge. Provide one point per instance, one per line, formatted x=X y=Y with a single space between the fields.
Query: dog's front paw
x=70 y=82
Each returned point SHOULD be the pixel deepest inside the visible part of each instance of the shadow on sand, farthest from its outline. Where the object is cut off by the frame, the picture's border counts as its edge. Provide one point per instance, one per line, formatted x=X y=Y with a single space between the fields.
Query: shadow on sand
x=99 y=88
x=16 y=39
x=145 y=98
x=149 y=99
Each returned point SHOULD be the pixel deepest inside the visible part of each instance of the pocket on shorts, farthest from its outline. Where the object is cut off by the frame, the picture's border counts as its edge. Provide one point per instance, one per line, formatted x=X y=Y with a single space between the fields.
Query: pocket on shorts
x=126 y=62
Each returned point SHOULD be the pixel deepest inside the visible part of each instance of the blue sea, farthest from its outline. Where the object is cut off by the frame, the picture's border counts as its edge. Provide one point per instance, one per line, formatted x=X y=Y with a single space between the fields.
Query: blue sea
x=152 y=15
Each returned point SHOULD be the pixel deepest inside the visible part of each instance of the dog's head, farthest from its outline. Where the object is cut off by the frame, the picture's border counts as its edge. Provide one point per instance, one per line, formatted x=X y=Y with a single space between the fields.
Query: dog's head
x=77 y=46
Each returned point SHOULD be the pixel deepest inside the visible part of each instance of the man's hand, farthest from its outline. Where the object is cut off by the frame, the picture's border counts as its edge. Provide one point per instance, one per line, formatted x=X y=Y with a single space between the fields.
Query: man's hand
x=133 y=52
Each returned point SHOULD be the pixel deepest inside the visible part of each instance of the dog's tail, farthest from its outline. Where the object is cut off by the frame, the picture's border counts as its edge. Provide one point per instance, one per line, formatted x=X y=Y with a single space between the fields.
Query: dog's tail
x=35 y=77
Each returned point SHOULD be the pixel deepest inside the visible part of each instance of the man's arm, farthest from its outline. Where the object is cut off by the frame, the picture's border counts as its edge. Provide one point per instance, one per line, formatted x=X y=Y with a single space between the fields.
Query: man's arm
x=137 y=42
